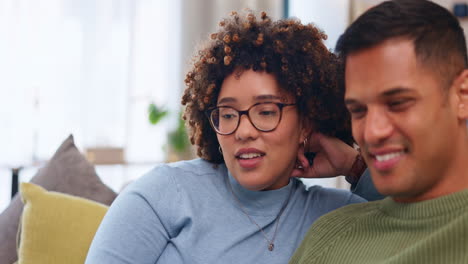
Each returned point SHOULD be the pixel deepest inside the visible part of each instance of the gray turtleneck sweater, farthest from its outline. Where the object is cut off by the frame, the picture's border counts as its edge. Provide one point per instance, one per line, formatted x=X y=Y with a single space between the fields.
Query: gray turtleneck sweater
x=185 y=213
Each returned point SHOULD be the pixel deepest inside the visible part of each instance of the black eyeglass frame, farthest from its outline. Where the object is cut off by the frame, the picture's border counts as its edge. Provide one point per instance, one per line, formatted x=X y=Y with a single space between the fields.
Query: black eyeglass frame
x=246 y=112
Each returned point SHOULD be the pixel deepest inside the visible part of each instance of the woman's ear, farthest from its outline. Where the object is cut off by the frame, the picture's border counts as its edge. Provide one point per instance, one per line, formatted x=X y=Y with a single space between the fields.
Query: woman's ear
x=306 y=129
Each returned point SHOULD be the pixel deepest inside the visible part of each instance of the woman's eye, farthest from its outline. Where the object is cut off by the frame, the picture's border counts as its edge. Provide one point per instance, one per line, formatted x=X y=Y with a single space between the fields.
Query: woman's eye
x=267 y=113
x=228 y=116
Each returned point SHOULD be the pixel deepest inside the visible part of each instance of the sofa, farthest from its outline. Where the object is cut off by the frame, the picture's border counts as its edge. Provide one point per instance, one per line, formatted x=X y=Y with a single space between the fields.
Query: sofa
x=54 y=217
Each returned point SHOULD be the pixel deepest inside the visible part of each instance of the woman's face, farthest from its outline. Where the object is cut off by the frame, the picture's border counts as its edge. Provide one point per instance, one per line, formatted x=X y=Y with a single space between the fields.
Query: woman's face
x=259 y=160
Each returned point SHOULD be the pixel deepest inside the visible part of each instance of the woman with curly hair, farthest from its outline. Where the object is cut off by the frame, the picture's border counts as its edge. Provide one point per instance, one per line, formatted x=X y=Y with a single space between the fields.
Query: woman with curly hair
x=254 y=95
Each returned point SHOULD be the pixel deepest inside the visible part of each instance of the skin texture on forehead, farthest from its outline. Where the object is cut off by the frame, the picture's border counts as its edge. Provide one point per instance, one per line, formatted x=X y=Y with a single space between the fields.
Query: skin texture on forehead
x=260 y=79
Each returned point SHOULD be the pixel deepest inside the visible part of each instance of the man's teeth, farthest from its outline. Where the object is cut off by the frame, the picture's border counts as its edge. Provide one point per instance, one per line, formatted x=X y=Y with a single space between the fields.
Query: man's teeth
x=388 y=156
x=249 y=155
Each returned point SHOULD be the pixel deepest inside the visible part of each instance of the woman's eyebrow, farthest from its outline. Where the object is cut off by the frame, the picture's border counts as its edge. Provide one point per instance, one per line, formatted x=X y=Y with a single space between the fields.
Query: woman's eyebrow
x=227 y=100
x=266 y=97
x=256 y=98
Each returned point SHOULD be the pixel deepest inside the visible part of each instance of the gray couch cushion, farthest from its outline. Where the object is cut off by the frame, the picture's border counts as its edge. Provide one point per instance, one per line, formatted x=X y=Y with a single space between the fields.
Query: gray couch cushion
x=67 y=171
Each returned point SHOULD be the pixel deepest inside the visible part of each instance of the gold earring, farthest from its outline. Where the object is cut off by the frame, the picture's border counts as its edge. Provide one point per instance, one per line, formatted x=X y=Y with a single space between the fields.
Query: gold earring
x=305 y=144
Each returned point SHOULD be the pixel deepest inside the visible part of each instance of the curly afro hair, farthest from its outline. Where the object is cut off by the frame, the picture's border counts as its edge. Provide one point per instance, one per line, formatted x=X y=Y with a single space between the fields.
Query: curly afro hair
x=294 y=53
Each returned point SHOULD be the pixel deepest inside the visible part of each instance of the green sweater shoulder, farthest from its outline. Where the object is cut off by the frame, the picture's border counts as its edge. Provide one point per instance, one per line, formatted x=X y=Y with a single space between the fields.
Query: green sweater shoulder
x=433 y=231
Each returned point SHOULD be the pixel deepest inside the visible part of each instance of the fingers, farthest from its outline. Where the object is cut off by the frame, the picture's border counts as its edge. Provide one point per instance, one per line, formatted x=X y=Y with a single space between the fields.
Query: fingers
x=302 y=159
x=315 y=142
x=308 y=172
x=310 y=157
x=297 y=173
x=320 y=142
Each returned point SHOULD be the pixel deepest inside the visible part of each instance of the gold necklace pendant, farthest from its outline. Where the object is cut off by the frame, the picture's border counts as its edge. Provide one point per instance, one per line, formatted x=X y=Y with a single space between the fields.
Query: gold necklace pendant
x=270 y=242
x=271 y=246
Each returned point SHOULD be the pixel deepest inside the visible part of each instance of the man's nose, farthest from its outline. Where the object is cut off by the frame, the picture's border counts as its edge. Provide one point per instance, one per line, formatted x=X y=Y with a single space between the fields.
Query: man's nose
x=378 y=126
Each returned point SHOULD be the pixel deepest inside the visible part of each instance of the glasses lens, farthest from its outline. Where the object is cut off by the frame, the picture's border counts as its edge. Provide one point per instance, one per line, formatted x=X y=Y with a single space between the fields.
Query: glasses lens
x=265 y=116
x=224 y=119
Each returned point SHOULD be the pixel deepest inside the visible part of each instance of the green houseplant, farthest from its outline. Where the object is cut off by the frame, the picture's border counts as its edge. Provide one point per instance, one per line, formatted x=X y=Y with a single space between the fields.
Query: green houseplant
x=178 y=144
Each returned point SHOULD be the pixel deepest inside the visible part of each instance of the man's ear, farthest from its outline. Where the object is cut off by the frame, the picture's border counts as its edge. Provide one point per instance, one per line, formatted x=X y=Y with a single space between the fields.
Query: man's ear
x=461 y=87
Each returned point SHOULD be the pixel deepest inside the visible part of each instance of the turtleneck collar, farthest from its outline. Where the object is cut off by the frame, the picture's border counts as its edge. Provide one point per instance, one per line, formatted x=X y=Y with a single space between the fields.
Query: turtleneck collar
x=264 y=203
x=444 y=205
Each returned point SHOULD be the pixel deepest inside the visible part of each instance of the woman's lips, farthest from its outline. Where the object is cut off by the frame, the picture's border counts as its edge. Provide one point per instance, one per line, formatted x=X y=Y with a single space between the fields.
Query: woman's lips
x=249 y=158
x=250 y=163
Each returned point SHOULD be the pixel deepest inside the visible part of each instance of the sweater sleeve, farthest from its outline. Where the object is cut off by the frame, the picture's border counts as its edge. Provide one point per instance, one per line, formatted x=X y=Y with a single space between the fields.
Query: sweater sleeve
x=132 y=230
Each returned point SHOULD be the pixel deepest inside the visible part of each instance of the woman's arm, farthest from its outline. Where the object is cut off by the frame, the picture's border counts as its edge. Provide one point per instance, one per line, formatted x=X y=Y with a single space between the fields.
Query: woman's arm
x=132 y=230
x=334 y=158
x=365 y=188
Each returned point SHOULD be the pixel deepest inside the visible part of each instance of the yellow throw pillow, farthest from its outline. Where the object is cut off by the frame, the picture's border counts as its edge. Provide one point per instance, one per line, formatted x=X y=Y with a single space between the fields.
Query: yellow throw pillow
x=56 y=227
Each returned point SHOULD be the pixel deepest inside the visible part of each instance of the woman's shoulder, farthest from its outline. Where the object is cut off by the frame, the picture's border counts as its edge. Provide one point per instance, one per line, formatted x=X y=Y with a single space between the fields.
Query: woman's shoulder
x=174 y=176
x=195 y=166
x=181 y=169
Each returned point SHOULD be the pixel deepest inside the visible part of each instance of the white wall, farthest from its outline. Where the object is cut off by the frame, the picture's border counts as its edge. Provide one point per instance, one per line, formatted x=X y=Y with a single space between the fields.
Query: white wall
x=85 y=67
x=331 y=16
x=449 y=5
x=200 y=18
x=94 y=67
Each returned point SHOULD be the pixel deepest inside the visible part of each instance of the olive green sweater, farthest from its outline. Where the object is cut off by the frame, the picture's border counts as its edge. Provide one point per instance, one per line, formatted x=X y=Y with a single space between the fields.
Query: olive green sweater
x=432 y=231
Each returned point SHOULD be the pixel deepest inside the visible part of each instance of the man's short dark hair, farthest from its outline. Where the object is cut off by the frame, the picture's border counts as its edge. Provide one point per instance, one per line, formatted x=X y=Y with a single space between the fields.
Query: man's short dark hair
x=438 y=38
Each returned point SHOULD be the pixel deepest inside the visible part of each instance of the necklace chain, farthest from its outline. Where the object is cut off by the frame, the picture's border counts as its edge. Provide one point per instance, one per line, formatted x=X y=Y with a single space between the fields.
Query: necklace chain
x=271 y=242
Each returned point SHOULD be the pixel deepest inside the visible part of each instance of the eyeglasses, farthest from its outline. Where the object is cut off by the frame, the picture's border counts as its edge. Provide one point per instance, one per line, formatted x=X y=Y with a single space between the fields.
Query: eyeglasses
x=264 y=117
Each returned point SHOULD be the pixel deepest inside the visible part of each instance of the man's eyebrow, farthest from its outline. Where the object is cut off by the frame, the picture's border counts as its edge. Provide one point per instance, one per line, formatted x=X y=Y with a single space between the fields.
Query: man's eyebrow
x=388 y=93
x=395 y=91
